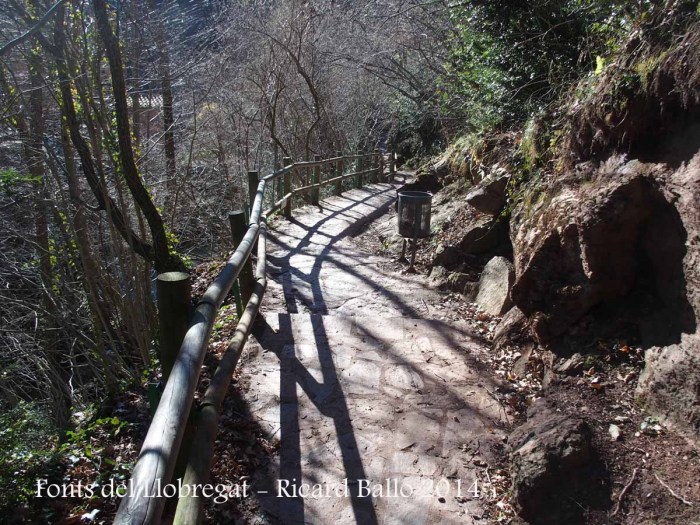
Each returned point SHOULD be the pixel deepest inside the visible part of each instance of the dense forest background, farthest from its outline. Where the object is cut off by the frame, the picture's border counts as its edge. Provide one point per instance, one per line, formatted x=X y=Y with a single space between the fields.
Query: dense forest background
x=127 y=129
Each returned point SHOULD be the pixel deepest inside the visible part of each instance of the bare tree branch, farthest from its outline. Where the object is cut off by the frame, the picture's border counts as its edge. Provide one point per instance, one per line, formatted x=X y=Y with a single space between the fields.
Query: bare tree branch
x=21 y=38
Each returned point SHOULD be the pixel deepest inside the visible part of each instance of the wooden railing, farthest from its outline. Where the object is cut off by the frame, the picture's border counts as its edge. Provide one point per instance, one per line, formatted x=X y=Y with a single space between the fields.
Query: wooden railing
x=145 y=498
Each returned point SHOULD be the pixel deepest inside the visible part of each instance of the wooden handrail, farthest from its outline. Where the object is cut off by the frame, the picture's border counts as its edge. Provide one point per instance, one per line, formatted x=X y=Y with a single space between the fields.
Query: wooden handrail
x=143 y=503
x=280 y=203
x=278 y=173
x=328 y=181
x=159 y=452
x=314 y=163
x=190 y=506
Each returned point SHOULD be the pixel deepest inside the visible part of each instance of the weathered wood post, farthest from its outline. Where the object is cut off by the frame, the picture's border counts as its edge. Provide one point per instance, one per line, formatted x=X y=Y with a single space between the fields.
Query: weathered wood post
x=278 y=184
x=359 y=166
x=238 y=230
x=174 y=313
x=376 y=177
x=339 y=173
x=287 y=161
x=252 y=188
x=253 y=181
x=274 y=186
x=174 y=291
x=382 y=178
x=392 y=166
x=237 y=300
x=369 y=166
x=316 y=179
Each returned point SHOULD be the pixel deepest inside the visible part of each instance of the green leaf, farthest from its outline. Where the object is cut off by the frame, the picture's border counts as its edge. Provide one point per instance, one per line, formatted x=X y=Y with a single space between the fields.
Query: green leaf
x=9 y=178
x=599 y=65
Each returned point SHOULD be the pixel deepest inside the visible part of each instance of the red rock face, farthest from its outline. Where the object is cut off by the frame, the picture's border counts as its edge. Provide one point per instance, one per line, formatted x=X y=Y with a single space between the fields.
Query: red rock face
x=582 y=246
x=600 y=237
x=669 y=386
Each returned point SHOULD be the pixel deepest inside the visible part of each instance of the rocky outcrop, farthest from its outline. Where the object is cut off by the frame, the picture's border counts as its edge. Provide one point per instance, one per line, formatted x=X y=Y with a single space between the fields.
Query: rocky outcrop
x=429 y=182
x=490 y=195
x=554 y=468
x=461 y=283
x=494 y=286
x=581 y=245
x=441 y=168
x=621 y=232
x=669 y=386
x=483 y=235
x=572 y=365
x=438 y=277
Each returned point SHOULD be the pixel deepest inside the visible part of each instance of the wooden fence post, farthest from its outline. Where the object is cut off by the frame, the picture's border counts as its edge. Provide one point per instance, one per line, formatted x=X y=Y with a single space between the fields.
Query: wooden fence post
x=279 y=187
x=174 y=291
x=238 y=230
x=338 y=173
x=287 y=161
x=392 y=166
x=382 y=178
x=253 y=181
x=252 y=187
x=377 y=164
x=359 y=166
x=316 y=179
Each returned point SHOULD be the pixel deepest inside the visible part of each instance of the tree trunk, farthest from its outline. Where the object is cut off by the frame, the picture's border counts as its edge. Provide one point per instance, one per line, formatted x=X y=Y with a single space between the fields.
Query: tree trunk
x=164 y=260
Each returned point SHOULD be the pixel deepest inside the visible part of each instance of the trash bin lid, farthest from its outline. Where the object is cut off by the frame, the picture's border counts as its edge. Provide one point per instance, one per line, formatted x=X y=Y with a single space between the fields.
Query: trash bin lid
x=415 y=196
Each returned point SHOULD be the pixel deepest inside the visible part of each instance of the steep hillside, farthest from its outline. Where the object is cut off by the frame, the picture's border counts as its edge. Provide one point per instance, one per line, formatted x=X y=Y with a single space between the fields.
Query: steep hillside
x=595 y=203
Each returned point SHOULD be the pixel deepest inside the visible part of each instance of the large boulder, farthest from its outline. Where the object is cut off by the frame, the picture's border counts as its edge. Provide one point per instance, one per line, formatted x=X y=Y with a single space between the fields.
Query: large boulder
x=490 y=195
x=669 y=386
x=582 y=244
x=427 y=181
x=494 y=286
x=441 y=168
x=554 y=468
x=626 y=233
x=481 y=235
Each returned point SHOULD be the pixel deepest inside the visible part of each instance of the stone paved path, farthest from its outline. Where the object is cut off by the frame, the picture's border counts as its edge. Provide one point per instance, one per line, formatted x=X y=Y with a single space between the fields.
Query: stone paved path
x=380 y=412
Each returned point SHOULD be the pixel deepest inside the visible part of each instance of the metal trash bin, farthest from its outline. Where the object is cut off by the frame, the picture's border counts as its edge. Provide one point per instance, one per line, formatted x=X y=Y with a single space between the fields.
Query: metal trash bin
x=414 y=214
x=414 y=220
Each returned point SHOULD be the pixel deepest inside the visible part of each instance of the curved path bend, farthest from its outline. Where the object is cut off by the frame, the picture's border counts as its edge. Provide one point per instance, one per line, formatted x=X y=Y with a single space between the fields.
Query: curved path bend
x=382 y=413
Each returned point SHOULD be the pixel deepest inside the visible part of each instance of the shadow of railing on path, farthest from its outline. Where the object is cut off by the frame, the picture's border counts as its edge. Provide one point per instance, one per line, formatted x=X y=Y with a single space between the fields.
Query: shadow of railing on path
x=294 y=373
x=332 y=403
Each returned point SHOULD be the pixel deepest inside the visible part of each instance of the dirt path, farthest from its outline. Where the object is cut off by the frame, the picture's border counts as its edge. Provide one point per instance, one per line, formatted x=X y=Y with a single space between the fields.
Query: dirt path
x=368 y=389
